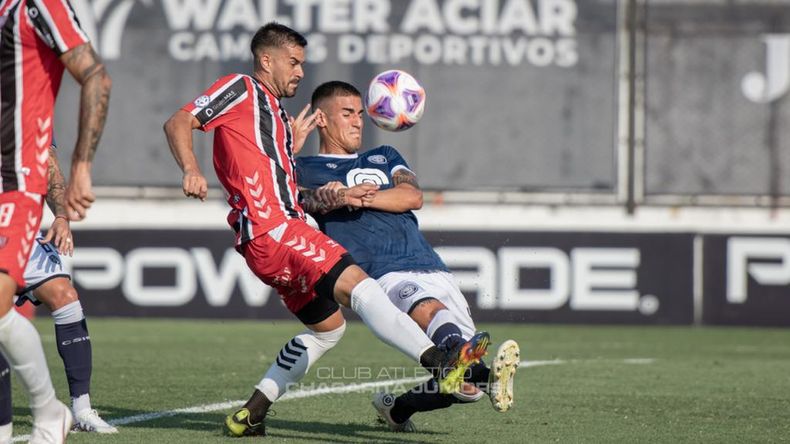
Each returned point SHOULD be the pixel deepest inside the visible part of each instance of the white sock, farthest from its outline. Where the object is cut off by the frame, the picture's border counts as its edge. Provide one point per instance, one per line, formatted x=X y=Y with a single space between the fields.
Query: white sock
x=21 y=345
x=6 y=433
x=295 y=359
x=68 y=314
x=389 y=324
x=80 y=403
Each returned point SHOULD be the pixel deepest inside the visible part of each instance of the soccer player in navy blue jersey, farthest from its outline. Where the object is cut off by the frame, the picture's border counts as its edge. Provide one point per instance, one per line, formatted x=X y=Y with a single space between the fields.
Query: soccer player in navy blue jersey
x=383 y=236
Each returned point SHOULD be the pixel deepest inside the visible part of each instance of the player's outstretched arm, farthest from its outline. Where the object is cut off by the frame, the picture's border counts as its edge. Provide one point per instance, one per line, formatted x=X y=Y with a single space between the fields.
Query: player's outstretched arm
x=60 y=231
x=404 y=196
x=178 y=129
x=334 y=195
x=84 y=65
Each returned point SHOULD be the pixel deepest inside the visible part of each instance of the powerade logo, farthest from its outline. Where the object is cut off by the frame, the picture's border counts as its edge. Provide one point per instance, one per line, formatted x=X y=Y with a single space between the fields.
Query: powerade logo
x=585 y=279
x=448 y=32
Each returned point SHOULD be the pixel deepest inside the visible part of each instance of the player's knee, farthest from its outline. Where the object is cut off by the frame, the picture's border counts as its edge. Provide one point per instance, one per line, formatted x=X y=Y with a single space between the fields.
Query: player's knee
x=56 y=294
x=328 y=339
x=350 y=278
x=425 y=311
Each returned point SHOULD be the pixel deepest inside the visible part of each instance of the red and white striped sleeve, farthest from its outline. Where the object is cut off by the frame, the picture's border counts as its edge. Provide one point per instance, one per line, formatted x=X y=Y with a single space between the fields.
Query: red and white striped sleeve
x=57 y=24
x=218 y=100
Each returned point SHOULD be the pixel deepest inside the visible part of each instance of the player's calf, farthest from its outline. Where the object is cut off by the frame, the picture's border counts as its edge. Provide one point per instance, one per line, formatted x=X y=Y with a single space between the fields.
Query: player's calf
x=289 y=367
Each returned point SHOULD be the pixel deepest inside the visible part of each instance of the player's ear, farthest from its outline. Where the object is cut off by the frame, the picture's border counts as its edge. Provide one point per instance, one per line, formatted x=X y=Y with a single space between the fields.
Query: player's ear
x=320 y=118
x=265 y=61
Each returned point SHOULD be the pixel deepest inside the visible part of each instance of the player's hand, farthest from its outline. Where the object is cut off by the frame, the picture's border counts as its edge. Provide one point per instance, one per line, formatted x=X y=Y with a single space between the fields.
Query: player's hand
x=59 y=233
x=330 y=195
x=195 y=185
x=367 y=199
x=301 y=127
x=79 y=196
x=356 y=196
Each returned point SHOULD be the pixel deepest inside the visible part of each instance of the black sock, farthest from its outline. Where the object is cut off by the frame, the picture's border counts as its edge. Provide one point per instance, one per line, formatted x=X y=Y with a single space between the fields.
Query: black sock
x=258 y=405
x=422 y=398
x=6 y=412
x=478 y=374
x=74 y=347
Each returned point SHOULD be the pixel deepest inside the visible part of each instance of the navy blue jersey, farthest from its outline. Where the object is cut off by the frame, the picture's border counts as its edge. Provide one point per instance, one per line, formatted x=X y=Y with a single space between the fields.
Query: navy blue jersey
x=380 y=242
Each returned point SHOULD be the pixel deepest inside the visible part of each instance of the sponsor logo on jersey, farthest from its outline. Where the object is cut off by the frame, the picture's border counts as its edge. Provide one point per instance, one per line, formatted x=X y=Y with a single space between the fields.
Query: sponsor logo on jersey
x=408 y=289
x=202 y=101
x=331 y=166
x=377 y=159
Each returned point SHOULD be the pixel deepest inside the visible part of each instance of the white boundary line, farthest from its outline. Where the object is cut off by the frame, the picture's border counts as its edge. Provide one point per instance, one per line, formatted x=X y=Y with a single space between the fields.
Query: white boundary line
x=298 y=394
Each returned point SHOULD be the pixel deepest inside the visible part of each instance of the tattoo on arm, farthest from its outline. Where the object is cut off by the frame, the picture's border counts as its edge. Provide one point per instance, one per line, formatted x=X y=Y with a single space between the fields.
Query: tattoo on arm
x=85 y=65
x=313 y=203
x=405 y=176
x=56 y=190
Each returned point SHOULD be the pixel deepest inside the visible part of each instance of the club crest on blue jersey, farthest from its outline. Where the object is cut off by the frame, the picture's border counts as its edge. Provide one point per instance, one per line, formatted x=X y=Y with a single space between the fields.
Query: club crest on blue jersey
x=378 y=159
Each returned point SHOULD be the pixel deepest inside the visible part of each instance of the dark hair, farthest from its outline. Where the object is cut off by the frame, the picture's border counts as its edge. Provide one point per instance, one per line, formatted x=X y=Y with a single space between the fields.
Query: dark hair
x=275 y=35
x=331 y=89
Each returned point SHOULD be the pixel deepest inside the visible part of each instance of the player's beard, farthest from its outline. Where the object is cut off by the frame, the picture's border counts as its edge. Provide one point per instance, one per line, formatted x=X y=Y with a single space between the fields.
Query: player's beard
x=290 y=89
x=353 y=143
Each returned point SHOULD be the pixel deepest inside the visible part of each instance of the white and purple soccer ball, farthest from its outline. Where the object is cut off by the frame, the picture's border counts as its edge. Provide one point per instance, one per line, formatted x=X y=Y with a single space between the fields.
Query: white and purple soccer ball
x=395 y=100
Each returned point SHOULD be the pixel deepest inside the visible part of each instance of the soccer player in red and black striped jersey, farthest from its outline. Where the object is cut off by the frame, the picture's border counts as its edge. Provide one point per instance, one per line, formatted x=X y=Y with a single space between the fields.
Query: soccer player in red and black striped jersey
x=254 y=144
x=39 y=39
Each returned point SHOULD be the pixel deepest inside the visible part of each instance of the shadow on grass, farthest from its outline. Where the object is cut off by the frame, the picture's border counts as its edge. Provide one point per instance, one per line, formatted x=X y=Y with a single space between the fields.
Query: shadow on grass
x=213 y=422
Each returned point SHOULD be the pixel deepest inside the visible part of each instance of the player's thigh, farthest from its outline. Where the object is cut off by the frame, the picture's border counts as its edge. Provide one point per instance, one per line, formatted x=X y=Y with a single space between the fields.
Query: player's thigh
x=20 y=217
x=56 y=293
x=293 y=260
x=7 y=289
x=46 y=281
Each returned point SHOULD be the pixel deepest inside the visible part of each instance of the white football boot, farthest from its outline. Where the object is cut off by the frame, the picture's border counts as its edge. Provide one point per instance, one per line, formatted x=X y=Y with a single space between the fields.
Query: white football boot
x=503 y=370
x=53 y=430
x=383 y=403
x=88 y=420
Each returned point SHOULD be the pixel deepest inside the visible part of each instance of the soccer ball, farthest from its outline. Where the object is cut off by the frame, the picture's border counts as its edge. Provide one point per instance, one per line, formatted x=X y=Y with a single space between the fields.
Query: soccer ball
x=395 y=100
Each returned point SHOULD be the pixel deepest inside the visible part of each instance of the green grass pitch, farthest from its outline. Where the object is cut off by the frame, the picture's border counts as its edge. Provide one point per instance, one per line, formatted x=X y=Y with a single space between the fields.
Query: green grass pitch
x=608 y=384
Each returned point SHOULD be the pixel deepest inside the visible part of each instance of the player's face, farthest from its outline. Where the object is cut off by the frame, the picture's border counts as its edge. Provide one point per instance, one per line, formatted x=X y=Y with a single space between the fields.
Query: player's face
x=286 y=69
x=344 y=121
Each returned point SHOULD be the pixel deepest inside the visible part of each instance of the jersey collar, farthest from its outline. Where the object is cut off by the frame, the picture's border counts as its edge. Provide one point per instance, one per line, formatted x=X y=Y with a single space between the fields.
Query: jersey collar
x=340 y=156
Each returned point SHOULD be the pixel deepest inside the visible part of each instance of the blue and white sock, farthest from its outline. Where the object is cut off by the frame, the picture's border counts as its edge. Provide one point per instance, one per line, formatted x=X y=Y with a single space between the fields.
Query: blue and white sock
x=74 y=347
x=444 y=331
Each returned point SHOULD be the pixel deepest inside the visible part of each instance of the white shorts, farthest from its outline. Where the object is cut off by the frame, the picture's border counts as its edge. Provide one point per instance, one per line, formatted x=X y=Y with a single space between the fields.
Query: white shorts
x=407 y=289
x=44 y=264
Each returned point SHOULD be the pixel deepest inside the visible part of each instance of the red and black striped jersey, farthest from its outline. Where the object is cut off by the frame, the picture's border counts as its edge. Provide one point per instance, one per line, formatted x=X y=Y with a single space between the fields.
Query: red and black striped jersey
x=33 y=35
x=253 y=155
